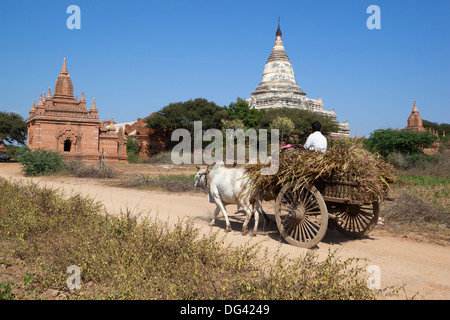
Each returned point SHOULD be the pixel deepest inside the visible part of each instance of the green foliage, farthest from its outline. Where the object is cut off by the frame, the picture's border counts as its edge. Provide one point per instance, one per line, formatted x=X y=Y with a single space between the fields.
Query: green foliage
x=440 y=128
x=420 y=159
x=183 y=115
x=240 y=110
x=133 y=145
x=13 y=127
x=40 y=161
x=285 y=125
x=6 y=291
x=407 y=161
x=232 y=124
x=302 y=120
x=133 y=149
x=426 y=181
x=13 y=151
x=388 y=141
x=238 y=115
x=132 y=157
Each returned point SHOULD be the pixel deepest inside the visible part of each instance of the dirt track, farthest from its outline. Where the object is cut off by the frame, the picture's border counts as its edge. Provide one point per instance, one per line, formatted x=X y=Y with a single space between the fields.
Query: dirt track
x=423 y=268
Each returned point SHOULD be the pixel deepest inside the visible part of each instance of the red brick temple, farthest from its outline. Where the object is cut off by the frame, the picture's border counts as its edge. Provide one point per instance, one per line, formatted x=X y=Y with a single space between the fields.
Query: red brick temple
x=152 y=141
x=63 y=123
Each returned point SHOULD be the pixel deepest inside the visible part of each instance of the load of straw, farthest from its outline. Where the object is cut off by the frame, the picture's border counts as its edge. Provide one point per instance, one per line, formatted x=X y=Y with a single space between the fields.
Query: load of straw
x=368 y=174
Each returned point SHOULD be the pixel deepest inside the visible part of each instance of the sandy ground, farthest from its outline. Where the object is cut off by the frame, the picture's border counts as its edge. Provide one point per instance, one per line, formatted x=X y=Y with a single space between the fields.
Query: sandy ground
x=423 y=268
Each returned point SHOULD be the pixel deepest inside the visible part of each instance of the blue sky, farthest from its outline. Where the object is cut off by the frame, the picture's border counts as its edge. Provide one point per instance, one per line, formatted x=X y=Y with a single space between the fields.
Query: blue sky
x=135 y=57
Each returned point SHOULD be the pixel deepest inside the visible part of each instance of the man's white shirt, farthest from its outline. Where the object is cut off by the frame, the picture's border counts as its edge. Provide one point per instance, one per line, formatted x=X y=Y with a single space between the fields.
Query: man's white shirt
x=316 y=141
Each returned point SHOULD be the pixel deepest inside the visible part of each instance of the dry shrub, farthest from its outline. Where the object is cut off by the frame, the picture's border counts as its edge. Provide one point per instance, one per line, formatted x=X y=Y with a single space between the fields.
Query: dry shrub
x=121 y=258
x=159 y=158
x=407 y=209
x=99 y=170
x=437 y=166
x=169 y=183
x=421 y=207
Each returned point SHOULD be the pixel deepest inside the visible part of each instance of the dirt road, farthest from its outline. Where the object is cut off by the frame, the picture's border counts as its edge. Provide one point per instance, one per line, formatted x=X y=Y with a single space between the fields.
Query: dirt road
x=424 y=269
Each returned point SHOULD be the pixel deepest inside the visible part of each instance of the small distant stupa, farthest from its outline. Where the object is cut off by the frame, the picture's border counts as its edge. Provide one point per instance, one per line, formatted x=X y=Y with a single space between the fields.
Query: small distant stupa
x=415 y=122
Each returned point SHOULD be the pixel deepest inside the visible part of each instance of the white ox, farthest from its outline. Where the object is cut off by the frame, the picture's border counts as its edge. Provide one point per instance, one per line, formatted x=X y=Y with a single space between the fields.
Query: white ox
x=229 y=186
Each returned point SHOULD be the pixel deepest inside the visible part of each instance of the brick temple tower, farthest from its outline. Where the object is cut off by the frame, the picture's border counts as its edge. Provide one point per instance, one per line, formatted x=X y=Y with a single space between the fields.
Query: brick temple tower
x=62 y=123
x=415 y=122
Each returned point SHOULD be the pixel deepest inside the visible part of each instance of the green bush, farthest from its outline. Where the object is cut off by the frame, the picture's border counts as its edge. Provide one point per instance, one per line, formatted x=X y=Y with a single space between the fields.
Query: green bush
x=12 y=151
x=240 y=110
x=40 y=161
x=420 y=160
x=133 y=149
x=388 y=141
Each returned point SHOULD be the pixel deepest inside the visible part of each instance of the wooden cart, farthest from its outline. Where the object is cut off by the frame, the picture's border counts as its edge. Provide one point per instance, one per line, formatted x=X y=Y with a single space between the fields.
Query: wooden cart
x=303 y=211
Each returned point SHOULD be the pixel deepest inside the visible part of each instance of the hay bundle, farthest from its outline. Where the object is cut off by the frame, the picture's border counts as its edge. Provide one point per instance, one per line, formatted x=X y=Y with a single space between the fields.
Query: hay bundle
x=367 y=173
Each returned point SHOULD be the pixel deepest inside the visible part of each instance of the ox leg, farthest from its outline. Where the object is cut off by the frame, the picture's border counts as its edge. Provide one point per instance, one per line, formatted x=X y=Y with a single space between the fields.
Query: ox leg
x=216 y=212
x=247 y=219
x=225 y=214
x=255 y=228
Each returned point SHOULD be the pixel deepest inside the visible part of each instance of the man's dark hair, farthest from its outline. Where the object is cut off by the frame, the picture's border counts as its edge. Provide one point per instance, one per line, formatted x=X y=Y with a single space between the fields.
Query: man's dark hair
x=316 y=126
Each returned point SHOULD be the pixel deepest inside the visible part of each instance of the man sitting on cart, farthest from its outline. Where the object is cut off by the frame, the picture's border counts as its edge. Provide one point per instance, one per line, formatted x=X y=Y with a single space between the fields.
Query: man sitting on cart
x=316 y=140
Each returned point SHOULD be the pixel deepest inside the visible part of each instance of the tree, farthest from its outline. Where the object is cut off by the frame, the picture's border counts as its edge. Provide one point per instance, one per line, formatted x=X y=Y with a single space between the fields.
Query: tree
x=232 y=124
x=440 y=128
x=183 y=115
x=285 y=125
x=241 y=110
x=302 y=120
x=403 y=141
x=13 y=127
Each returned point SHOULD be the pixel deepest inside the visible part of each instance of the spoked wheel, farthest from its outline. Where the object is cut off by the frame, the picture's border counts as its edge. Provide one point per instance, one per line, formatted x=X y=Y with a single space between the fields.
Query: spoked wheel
x=355 y=221
x=301 y=215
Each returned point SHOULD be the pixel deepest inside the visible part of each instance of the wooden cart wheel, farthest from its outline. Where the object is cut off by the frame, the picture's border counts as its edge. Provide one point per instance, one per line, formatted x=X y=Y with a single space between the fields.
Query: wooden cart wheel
x=355 y=221
x=301 y=215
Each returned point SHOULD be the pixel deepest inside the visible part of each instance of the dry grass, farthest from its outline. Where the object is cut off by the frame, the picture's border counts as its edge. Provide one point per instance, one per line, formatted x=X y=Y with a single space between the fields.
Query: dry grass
x=421 y=208
x=159 y=158
x=98 y=170
x=120 y=258
x=162 y=182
